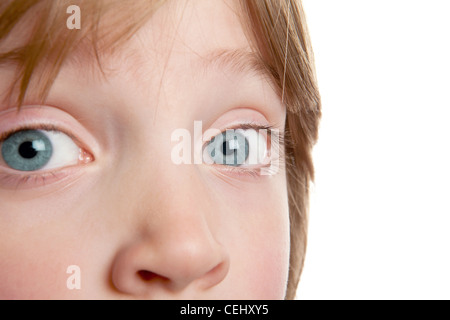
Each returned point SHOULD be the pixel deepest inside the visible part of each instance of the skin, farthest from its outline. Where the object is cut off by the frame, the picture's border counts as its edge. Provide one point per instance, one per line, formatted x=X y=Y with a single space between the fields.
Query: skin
x=138 y=225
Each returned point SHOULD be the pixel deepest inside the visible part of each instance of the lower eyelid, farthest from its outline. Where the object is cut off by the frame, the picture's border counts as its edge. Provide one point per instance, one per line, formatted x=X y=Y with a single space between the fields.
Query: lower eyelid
x=37 y=180
x=251 y=171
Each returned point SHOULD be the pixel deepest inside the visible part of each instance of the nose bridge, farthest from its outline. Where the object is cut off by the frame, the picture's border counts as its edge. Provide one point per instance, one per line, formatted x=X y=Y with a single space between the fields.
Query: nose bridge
x=174 y=198
x=183 y=229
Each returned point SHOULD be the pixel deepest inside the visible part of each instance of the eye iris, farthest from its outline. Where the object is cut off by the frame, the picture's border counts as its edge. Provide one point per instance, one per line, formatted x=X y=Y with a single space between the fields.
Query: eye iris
x=229 y=148
x=27 y=150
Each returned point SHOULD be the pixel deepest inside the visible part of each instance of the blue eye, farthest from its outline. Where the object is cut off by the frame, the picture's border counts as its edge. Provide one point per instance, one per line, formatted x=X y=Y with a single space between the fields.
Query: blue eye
x=32 y=150
x=229 y=148
x=28 y=150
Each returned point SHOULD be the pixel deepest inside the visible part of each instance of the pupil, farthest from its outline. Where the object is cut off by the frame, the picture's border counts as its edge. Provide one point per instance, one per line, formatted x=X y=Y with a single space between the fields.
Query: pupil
x=27 y=151
x=226 y=150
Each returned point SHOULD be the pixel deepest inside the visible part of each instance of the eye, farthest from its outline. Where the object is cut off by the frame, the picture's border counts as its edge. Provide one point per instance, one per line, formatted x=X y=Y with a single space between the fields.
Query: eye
x=32 y=150
x=238 y=147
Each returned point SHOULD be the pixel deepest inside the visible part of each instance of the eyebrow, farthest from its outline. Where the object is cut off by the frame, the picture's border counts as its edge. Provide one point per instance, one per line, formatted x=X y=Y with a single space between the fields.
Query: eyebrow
x=237 y=61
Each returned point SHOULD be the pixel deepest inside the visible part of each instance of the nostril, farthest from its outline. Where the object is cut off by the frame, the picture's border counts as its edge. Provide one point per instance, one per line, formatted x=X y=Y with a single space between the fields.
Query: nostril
x=148 y=276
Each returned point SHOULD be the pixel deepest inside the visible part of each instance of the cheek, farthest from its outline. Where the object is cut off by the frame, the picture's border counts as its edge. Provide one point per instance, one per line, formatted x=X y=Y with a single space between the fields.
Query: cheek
x=265 y=264
x=33 y=269
x=35 y=254
x=259 y=244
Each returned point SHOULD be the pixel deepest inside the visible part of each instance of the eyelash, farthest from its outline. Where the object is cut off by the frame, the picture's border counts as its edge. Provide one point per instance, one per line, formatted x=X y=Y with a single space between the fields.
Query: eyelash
x=37 y=178
x=43 y=126
x=253 y=172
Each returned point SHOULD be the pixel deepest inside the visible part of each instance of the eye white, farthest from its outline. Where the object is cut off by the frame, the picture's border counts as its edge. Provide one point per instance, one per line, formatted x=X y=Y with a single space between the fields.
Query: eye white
x=65 y=151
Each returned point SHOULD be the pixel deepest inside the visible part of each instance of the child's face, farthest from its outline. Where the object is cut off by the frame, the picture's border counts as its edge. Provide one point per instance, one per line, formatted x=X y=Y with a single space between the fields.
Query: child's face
x=135 y=223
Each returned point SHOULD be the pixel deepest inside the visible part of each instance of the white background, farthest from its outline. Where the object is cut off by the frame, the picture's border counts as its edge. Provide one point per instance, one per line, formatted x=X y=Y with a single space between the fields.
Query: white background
x=380 y=211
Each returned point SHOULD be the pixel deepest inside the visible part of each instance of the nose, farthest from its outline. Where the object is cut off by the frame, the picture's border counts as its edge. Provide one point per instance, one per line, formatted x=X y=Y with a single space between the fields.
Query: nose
x=172 y=255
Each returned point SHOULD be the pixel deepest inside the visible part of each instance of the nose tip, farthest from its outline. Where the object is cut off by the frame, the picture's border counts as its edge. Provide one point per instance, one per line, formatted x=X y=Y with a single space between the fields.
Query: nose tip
x=203 y=264
x=148 y=268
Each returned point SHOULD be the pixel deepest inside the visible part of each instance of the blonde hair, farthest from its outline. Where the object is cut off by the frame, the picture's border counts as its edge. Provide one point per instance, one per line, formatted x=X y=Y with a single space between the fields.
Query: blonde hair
x=276 y=29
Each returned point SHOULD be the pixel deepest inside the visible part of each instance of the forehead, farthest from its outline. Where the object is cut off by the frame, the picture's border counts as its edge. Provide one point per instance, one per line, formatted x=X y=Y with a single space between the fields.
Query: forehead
x=186 y=48
x=179 y=33
x=184 y=43
x=202 y=25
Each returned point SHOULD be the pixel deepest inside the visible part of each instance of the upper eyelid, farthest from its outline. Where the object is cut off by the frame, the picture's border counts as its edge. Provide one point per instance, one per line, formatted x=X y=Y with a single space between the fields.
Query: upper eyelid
x=255 y=126
x=51 y=117
x=43 y=126
x=248 y=126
